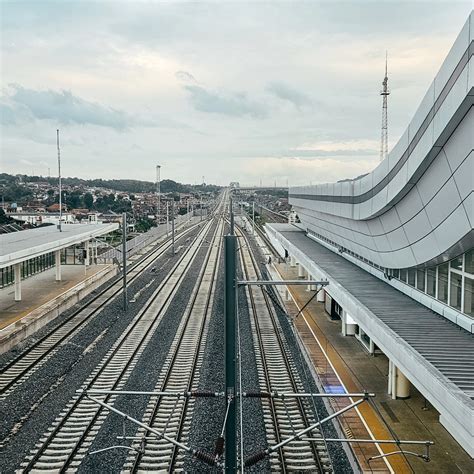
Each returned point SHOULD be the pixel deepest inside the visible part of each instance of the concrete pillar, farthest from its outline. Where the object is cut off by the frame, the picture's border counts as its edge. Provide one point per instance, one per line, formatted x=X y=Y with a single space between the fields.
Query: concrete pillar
x=87 y=259
x=300 y=271
x=320 y=296
x=398 y=384
x=348 y=325
x=371 y=347
x=403 y=385
x=287 y=295
x=17 y=277
x=390 y=387
x=292 y=261
x=309 y=287
x=57 y=257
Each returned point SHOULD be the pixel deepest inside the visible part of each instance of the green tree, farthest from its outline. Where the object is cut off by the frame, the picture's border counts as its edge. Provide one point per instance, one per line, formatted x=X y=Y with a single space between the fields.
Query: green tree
x=88 y=200
x=4 y=219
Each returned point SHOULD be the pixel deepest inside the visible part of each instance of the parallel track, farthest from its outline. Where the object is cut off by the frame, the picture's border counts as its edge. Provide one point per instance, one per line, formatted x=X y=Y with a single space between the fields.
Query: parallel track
x=179 y=373
x=66 y=443
x=277 y=372
x=16 y=371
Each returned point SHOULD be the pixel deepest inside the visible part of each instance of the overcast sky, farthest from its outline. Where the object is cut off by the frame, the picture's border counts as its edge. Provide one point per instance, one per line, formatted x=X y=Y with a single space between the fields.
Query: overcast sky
x=285 y=92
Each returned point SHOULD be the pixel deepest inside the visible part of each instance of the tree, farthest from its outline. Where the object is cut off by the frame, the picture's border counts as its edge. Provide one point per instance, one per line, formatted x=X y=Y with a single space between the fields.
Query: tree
x=88 y=200
x=73 y=200
x=4 y=219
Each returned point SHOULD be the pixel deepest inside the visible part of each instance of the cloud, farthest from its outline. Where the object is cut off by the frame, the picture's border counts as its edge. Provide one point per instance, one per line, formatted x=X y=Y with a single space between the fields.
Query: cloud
x=66 y=108
x=7 y=115
x=236 y=104
x=24 y=105
x=339 y=147
x=185 y=76
x=27 y=162
x=289 y=94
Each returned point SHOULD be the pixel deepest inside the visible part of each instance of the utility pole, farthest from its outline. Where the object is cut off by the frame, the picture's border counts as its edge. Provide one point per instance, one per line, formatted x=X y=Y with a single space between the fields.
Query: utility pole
x=172 y=228
x=200 y=205
x=253 y=218
x=230 y=316
x=167 y=218
x=231 y=206
x=59 y=182
x=158 y=192
x=124 y=260
x=385 y=92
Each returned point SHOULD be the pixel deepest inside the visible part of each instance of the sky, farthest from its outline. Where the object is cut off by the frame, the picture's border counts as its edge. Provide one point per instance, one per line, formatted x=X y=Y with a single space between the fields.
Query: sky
x=256 y=92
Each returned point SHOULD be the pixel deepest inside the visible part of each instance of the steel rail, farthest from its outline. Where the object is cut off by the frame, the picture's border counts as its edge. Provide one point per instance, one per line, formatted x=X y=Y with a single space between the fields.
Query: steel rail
x=190 y=254
x=266 y=374
x=283 y=350
x=115 y=287
x=176 y=349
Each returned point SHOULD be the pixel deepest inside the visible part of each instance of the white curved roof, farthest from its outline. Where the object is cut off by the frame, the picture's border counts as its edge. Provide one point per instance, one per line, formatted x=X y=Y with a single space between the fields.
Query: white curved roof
x=416 y=207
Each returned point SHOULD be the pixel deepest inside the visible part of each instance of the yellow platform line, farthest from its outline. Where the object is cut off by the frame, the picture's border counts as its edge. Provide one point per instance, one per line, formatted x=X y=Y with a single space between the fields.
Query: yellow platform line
x=396 y=464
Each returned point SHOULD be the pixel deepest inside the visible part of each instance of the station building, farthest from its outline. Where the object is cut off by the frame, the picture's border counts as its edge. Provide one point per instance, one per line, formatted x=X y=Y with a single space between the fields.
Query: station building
x=397 y=247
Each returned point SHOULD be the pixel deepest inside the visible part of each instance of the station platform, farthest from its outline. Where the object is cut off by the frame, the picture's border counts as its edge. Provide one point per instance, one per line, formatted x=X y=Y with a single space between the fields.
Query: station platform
x=40 y=289
x=44 y=298
x=342 y=364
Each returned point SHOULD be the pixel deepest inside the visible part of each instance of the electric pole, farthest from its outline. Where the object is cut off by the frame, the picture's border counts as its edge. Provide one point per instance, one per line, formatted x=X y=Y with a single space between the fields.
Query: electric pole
x=59 y=182
x=124 y=260
x=230 y=317
x=158 y=192
x=172 y=228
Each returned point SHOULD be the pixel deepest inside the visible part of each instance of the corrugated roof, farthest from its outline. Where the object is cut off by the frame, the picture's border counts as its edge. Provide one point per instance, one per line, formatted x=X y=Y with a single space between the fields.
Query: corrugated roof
x=446 y=346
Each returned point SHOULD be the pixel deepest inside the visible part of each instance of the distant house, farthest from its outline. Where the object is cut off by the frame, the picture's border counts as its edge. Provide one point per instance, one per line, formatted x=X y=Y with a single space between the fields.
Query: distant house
x=55 y=207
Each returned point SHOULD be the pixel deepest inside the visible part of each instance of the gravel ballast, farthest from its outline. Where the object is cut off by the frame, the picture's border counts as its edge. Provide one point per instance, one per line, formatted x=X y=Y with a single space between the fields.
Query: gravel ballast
x=37 y=402
x=32 y=408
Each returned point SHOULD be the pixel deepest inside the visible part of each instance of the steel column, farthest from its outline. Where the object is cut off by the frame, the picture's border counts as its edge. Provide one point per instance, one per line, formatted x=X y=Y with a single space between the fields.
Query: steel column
x=230 y=313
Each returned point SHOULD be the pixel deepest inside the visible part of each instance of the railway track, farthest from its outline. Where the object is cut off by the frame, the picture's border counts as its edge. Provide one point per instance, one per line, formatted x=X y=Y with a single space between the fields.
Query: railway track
x=272 y=216
x=180 y=373
x=67 y=441
x=277 y=372
x=19 y=369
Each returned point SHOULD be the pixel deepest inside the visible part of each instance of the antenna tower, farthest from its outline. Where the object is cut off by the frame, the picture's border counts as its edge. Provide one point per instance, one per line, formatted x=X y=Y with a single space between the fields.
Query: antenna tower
x=385 y=92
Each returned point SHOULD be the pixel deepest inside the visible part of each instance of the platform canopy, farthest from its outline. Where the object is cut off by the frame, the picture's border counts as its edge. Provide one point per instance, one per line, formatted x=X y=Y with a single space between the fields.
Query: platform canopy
x=24 y=245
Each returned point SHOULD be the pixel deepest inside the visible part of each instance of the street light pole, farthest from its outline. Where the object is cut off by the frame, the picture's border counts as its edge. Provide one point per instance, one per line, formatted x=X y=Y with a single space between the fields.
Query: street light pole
x=158 y=191
x=172 y=227
x=59 y=182
x=253 y=218
x=124 y=260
